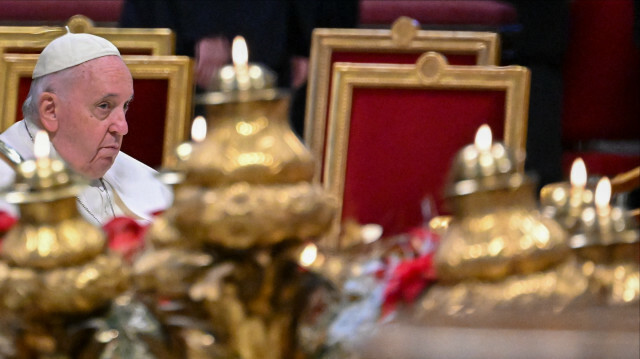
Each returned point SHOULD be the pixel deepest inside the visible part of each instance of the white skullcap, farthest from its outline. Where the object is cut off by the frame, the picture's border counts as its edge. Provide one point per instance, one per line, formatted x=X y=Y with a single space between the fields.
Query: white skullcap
x=70 y=50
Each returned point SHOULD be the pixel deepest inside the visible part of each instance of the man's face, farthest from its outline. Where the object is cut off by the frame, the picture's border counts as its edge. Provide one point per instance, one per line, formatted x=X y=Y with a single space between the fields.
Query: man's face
x=91 y=115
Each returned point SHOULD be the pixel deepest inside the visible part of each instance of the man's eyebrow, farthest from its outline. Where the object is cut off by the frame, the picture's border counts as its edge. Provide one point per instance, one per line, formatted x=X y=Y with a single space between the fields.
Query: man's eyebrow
x=109 y=95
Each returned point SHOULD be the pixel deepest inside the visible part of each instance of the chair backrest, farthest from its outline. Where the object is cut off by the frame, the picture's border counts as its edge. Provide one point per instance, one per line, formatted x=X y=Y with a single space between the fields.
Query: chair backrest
x=402 y=44
x=394 y=130
x=32 y=39
x=159 y=117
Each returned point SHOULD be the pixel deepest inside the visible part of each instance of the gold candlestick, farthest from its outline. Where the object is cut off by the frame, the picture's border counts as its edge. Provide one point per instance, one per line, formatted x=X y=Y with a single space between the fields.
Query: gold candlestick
x=55 y=263
x=245 y=207
x=607 y=242
x=564 y=202
x=496 y=230
x=497 y=251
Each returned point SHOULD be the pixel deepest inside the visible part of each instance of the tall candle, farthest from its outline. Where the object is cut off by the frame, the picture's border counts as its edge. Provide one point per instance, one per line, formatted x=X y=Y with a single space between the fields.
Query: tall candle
x=240 y=57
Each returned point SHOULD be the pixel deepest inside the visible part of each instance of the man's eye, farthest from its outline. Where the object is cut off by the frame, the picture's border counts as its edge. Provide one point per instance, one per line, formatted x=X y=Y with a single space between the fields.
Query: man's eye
x=103 y=106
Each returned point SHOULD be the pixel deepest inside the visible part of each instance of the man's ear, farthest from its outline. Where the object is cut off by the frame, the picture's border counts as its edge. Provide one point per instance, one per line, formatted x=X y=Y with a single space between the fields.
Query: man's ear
x=47 y=107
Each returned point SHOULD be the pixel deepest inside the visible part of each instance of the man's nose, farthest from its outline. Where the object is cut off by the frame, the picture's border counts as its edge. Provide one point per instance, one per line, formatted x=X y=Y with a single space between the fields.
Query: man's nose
x=119 y=125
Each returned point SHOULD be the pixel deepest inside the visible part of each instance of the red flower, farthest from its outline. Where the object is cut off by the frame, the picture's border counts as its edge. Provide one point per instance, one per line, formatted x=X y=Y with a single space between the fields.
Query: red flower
x=6 y=221
x=408 y=281
x=125 y=236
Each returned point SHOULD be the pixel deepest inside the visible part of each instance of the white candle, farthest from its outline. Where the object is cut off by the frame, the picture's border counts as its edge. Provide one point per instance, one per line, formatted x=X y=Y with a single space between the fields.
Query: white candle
x=602 y=197
x=240 y=57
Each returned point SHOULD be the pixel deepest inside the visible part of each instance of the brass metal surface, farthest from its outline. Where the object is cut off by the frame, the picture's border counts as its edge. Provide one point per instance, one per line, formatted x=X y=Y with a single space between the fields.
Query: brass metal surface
x=475 y=171
x=226 y=248
x=72 y=289
x=243 y=215
x=549 y=291
x=565 y=204
x=177 y=70
x=499 y=244
x=259 y=77
x=47 y=239
x=404 y=37
x=616 y=227
x=514 y=80
x=249 y=141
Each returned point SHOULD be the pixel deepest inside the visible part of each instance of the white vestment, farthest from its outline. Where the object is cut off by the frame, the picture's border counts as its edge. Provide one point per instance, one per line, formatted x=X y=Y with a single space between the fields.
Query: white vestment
x=129 y=188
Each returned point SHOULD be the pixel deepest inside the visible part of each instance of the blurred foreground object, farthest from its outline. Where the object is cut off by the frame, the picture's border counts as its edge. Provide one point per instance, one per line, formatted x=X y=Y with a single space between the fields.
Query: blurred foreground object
x=226 y=257
x=55 y=269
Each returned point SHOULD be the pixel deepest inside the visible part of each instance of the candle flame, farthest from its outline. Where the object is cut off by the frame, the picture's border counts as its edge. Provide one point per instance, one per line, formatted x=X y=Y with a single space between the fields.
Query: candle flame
x=603 y=193
x=199 y=129
x=308 y=255
x=483 y=138
x=239 y=51
x=578 y=175
x=41 y=145
x=371 y=233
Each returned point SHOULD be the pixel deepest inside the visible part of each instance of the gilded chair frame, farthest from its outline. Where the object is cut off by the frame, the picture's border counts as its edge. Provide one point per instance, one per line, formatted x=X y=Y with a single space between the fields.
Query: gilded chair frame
x=431 y=71
x=404 y=36
x=159 y=41
x=178 y=70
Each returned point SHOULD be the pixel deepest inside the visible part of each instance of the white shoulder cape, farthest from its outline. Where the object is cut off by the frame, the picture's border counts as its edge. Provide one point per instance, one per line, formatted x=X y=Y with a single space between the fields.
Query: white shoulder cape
x=133 y=181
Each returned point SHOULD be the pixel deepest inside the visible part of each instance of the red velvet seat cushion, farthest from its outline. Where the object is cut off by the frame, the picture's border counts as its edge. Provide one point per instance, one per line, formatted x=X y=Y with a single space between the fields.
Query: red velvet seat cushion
x=438 y=12
x=401 y=144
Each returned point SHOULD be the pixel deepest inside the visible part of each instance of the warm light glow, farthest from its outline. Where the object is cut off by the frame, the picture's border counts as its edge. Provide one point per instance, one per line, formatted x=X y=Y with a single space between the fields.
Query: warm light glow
x=198 y=129
x=239 y=52
x=603 y=195
x=308 y=255
x=371 y=233
x=41 y=145
x=483 y=138
x=578 y=175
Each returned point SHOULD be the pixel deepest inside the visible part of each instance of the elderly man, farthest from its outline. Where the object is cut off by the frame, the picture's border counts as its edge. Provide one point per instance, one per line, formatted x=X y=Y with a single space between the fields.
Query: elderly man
x=79 y=95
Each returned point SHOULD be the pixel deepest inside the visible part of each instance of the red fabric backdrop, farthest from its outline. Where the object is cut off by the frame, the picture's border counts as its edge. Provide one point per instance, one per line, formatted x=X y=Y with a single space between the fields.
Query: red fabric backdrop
x=401 y=144
x=384 y=58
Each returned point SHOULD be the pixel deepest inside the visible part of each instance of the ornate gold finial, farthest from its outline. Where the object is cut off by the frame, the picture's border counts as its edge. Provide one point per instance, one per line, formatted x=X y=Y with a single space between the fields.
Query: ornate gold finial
x=403 y=30
x=79 y=24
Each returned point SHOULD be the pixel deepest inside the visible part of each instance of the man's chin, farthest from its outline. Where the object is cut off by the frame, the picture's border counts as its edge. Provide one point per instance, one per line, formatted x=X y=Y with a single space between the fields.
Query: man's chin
x=98 y=169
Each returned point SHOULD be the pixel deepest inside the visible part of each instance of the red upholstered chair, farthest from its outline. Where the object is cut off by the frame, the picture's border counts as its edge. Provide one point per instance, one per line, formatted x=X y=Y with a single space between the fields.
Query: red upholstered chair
x=601 y=119
x=394 y=129
x=159 y=117
x=403 y=44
